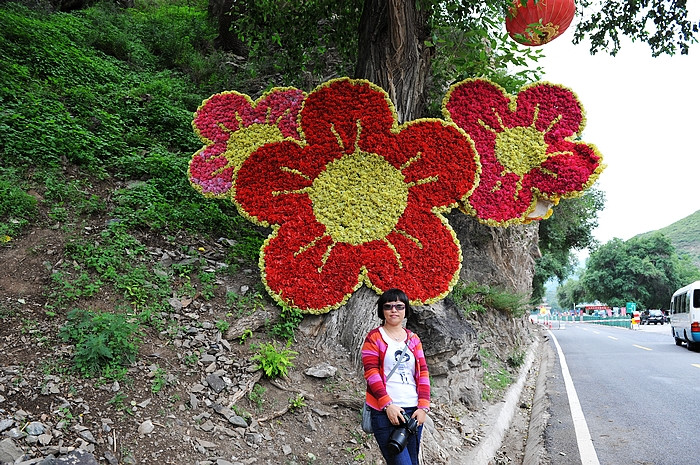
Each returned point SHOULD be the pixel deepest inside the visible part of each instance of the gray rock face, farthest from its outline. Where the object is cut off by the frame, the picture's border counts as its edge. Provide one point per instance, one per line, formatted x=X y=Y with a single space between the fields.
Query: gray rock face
x=497 y=256
x=452 y=352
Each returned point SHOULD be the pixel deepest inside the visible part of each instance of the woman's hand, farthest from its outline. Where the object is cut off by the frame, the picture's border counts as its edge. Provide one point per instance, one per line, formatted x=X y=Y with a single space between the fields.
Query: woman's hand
x=419 y=415
x=393 y=412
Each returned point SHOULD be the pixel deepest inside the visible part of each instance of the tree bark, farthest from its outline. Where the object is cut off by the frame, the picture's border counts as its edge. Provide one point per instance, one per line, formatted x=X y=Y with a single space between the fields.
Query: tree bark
x=392 y=53
x=221 y=12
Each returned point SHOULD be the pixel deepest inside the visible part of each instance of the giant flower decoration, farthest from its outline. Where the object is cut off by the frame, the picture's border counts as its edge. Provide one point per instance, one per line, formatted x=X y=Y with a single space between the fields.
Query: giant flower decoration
x=527 y=147
x=233 y=126
x=359 y=199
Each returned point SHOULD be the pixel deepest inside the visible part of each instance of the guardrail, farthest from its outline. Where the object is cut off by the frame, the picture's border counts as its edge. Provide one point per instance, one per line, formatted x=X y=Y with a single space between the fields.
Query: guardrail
x=560 y=321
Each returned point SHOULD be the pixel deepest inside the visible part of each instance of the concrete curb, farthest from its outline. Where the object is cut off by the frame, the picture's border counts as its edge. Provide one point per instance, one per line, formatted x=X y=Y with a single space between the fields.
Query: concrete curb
x=486 y=449
x=534 y=447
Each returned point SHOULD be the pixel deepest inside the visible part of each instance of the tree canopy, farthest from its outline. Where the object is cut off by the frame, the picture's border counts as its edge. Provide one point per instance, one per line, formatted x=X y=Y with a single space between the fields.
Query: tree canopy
x=569 y=228
x=645 y=270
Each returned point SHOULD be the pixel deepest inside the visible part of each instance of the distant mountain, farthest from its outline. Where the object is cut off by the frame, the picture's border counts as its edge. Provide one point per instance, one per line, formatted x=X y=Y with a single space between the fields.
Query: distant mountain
x=684 y=235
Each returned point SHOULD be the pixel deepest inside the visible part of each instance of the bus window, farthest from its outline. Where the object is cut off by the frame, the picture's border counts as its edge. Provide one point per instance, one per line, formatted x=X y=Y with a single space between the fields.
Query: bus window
x=696 y=298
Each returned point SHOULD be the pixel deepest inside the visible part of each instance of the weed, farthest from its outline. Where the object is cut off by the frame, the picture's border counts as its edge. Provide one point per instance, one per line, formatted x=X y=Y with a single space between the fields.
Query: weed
x=104 y=342
x=241 y=412
x=256 y=395
x=159 y=380
x=495 y=382
x=191 y=359
x=516 y=359
x=118 y=402
x=222 y=326
x=65 y=413
x=244 y=304
x=295 y=403
x=476 y=298
x=274 y=362
x=287 y=323
x=207 y=281
x=246 y=334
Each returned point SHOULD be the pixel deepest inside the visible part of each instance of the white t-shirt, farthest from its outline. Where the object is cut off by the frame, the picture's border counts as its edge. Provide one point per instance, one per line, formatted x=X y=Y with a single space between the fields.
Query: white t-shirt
x=401 y=387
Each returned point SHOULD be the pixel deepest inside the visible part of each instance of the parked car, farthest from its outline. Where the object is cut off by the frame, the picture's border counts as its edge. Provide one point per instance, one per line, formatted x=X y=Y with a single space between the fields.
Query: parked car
x=652 y=316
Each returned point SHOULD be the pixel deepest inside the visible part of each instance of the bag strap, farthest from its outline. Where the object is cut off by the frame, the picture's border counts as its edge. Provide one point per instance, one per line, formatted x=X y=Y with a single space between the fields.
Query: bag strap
x=397 y=362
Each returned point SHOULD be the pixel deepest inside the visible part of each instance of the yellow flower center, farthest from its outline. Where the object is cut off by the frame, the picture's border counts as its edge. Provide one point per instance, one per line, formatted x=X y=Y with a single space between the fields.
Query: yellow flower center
x=245 y=141
x=359 y=198
x=521 y=149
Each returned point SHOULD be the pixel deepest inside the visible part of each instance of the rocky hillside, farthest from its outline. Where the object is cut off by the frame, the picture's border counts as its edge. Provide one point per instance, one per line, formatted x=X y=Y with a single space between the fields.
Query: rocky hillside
x=195 y=391
x=134 y=326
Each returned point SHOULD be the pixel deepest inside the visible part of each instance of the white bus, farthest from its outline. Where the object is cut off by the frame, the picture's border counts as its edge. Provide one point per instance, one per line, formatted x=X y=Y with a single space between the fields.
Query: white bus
x=684 y=311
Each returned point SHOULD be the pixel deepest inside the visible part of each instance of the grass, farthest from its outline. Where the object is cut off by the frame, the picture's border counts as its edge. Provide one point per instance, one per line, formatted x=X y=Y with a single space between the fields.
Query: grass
x=478 y=298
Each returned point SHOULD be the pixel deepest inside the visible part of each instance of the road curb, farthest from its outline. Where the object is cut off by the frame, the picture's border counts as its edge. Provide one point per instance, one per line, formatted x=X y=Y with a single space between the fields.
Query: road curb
x=487 y=448
x=535 y=453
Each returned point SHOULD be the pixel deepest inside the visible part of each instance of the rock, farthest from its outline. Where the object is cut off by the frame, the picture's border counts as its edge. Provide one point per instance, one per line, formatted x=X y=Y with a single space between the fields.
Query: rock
x=146 y=427
x=9 y=452
x=286 y=449
x=216 y=382
x=207 y=444
x=451 y=350
x=324 y=370
x=35 y=428
x=6 y=423
x=87 y=435
x=77 y=457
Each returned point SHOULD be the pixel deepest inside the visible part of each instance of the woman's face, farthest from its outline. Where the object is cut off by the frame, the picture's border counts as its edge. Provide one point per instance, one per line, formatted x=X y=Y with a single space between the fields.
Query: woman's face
x=394 y=312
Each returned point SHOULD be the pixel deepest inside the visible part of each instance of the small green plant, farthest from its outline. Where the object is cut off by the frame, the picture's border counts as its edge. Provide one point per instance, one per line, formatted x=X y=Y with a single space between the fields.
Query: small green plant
x=516 y=359
x=104 y=342
x=476 y=298
x=495 y=382
x=222 y=326
x=295 y=403
x=273 y=361
x=159 y=380
x=244 y=304
x=207 y=282
x=119 y=403
x=246 y=334
x=191 y=359
x=287 y=324
x=256 y=395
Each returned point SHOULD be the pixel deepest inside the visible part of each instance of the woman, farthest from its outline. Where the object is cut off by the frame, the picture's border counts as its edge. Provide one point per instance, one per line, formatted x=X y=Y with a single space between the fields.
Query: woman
x=407 y=390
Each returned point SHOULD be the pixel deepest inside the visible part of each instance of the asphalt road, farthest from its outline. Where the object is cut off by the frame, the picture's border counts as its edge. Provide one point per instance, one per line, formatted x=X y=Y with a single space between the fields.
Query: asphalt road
x=638 y=391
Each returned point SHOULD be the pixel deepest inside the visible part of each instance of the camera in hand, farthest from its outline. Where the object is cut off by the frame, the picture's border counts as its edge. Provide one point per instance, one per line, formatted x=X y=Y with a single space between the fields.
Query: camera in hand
x=399 y=437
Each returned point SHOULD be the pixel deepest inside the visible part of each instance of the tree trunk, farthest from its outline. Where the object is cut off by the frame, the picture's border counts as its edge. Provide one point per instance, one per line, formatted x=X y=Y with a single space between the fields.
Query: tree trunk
x=392 y=53
x=221 y=12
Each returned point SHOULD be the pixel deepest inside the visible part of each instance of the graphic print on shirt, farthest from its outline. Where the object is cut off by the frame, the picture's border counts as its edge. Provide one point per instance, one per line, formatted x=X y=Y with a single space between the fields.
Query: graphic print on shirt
x=402 y=370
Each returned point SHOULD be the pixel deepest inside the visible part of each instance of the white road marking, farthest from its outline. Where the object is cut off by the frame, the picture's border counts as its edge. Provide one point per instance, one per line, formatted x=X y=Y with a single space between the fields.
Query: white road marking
x=613 y=338
x=696 y=365
x=641 y=347
x=583 y=435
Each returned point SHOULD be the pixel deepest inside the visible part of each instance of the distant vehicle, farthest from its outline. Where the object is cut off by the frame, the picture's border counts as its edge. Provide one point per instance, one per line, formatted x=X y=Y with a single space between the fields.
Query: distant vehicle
x=685 y=315
x=652 y=316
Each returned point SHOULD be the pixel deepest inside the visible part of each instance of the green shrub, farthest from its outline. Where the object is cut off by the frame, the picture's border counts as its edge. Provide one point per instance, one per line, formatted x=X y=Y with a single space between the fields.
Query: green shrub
x=17 y=208
x=104 y=342
x=273 y=361
x=473 y=297
x=287 y=323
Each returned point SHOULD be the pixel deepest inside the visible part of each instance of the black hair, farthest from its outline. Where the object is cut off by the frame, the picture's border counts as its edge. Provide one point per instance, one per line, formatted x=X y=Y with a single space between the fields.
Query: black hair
x=392 y=295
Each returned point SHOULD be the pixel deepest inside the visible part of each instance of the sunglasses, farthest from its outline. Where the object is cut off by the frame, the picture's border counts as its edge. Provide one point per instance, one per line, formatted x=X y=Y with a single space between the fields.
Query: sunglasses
x=398 y=307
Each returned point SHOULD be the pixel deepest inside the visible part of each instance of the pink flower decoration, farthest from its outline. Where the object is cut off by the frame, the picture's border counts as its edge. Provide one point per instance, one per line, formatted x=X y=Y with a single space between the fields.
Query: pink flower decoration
x=233 y=126
x=527 y=148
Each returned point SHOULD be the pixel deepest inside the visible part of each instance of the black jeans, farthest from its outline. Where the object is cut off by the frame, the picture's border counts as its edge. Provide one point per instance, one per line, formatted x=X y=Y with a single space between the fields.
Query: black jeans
x=383 y=428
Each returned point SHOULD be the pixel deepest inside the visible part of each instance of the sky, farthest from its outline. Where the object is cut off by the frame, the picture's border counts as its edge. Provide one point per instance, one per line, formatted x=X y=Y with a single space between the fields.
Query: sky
x=643 y=114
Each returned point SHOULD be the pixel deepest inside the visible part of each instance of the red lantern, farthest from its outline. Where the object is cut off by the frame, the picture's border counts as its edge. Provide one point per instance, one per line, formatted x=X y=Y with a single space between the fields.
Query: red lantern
x=538 y=23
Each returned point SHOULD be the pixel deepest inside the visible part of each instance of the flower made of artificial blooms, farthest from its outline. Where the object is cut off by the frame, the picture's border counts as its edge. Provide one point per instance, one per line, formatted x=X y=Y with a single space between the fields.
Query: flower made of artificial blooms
x=232 y=126
x=527 y=147
x=359 y=199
